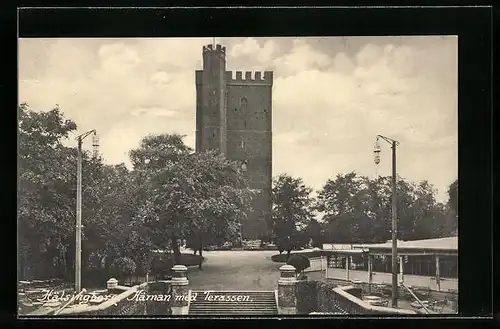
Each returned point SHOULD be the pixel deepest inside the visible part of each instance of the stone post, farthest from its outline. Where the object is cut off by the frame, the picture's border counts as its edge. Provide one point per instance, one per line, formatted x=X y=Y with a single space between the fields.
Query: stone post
x=287 y=289
x=179 y=296
x=111 y=286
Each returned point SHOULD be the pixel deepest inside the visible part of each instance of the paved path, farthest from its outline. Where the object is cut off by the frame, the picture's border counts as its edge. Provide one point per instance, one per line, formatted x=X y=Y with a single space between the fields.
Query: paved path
x=235 y=270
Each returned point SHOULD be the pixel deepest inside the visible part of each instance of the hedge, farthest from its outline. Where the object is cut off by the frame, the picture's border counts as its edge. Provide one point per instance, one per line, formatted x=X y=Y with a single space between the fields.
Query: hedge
x=281 y=258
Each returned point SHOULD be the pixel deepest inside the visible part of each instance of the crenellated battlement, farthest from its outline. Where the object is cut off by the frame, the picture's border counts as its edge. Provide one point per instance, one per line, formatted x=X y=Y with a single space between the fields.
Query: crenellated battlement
x=218 y=48
x=237 y=77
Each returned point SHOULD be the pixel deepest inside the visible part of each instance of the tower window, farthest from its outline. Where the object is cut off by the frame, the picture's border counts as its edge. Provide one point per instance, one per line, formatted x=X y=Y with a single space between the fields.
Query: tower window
x=242 y=144
x=243 y=101
x=245 y=122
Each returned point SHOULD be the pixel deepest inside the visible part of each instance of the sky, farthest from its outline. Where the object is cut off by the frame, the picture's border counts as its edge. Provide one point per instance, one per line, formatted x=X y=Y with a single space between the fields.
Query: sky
x=331 y=97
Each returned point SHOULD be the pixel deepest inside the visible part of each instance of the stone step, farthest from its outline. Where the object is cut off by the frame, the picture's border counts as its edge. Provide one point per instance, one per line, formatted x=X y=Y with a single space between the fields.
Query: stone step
x=236 y=292
x=231 y=312
x=206 y=307
x=233 y=305
x=234 y=302
x=267 y=302
x=259 y=303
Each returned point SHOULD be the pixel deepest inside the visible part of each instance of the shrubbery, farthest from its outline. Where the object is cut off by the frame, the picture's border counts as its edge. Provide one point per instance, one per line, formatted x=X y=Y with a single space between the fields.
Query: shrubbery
x=162 y=264
x=123 y=267
x=300 y=262
x=281 y=258
x=307 y=297
x=326 y=297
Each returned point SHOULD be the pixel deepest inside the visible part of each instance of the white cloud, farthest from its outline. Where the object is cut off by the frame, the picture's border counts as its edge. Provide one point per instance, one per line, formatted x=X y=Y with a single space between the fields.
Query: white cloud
x=327 y=105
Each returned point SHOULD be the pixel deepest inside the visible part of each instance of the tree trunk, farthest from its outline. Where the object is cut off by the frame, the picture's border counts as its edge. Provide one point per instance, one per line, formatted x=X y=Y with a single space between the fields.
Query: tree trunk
x=176 y=250
x=201 y=259
x=201 y=253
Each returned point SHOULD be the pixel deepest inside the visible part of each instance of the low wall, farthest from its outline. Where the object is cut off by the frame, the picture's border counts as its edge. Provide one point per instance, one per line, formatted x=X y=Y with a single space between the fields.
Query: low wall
x=325 y=297
x=129 y=302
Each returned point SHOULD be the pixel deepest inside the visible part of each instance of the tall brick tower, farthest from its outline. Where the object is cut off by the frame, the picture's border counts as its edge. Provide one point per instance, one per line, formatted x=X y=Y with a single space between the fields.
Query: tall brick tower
x=234 y=115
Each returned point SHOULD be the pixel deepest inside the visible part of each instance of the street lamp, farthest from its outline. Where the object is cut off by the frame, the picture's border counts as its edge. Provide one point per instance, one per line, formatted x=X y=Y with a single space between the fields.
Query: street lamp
x=376 y=153
x=78 y=246
x=243 y=169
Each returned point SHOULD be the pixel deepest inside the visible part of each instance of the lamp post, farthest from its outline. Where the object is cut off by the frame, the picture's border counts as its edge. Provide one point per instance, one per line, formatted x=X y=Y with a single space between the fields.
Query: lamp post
x=243 y=169
x=78 y=245
x=376 y=152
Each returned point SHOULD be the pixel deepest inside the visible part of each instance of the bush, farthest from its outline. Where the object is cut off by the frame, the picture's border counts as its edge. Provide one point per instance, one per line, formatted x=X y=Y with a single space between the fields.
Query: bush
x=162 y=264
x=190 y=260
x=307 y=296
x=326 y=301
x=300 y=262
x=281 y=258
x=123 y=267
x=95 y=277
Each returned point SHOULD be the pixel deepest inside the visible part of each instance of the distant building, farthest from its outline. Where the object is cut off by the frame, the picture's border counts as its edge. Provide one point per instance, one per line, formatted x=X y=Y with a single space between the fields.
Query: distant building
x=234 y=116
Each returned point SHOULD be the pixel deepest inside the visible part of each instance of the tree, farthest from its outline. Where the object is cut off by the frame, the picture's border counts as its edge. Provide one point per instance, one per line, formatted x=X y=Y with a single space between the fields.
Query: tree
x=351 y=208
x=123 y=267
x=300 y=262
x=453 y=196
x=357 y=209
x=47 y=193
x=46 y=187
x=452 y=208
x=157 y=151
x=198 y=195
x=315 y=233
x=291 y=212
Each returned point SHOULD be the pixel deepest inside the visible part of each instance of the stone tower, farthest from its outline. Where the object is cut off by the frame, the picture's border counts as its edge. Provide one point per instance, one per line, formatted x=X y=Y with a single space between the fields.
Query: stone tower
x=234 y=115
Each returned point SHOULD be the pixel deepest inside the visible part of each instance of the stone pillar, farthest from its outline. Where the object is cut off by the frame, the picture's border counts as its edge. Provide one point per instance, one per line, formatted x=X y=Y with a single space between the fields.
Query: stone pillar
x=438 y=279
x=111 y=286
x=287 y=288
x=179 y=294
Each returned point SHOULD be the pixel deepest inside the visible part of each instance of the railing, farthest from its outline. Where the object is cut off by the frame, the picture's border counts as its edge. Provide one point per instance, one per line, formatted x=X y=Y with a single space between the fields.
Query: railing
x=350 y=304
x=116 y=305
x=124 y=303
x=414 y=296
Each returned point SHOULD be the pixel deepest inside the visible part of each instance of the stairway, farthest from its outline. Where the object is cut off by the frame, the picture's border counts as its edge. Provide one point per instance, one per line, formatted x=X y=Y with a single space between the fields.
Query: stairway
x=233 y=303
